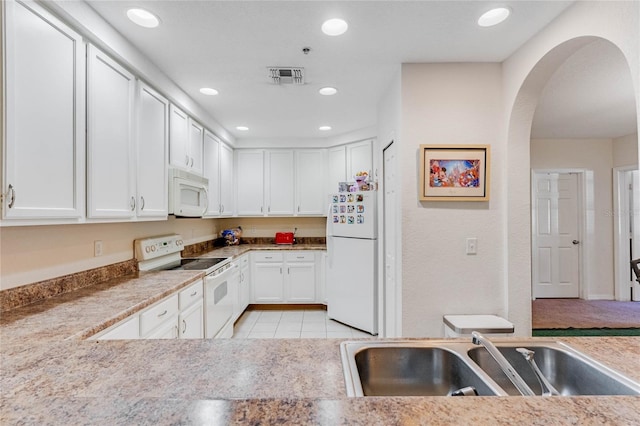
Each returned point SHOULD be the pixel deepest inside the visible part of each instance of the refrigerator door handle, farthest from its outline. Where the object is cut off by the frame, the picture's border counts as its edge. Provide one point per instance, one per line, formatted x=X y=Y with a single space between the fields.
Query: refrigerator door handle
x=329 y=238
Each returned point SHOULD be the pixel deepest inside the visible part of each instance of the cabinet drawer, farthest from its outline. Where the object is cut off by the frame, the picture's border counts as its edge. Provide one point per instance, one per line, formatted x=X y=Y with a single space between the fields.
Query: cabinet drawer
x=156 y=315
x=301 y=256
x=268 y=256
x=243 y=261
x=190 y=295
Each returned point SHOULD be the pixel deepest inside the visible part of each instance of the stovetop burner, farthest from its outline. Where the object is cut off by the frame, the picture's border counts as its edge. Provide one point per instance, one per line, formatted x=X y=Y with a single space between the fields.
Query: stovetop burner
x=198 y=264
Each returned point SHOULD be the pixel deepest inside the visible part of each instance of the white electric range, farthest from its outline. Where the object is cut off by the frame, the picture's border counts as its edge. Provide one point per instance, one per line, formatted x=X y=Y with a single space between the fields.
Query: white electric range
x=163 y=253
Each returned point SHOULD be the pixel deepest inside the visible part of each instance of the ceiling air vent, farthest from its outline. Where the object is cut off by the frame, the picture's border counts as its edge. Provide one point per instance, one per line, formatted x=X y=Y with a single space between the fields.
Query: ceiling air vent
x=286 y=75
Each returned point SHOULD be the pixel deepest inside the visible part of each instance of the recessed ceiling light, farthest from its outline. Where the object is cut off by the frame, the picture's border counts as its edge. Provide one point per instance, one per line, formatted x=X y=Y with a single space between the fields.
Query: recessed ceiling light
x=143 y=18
x=494 y=16
x=334 y=27
x=324 y=128
x=328 y=91
x=242 y=128
x=208 y=91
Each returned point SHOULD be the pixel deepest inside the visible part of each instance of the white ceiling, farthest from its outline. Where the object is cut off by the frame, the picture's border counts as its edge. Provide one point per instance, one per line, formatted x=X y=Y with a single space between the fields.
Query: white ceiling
x=228 y=45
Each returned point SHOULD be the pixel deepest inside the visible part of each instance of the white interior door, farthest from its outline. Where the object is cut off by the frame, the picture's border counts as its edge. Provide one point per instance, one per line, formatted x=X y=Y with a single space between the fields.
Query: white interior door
x=556 y=240
x=390 y=291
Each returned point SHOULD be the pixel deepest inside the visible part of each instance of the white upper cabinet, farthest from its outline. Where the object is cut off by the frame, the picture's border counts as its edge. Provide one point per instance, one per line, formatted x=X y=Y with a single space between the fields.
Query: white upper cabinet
x=152 y=153
x=310 y=178
x=44 y=94
x=178 y=138
x=226 y=181
x=250 y=182
x=211 y=163
x=359 y=158
x=218 y=168
x=185 y=141
x=279 y=183
x=196 y=134
x=347 y=160
x=110 y=153
x=337 y=168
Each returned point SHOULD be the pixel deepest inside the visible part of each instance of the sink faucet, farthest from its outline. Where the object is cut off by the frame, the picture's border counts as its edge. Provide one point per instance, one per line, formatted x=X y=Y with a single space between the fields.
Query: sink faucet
x=547 y=387
x=507 y=368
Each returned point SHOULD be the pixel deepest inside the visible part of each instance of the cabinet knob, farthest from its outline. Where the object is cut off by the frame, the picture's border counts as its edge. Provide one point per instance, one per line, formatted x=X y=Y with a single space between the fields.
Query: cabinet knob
x=141 y=202
x=133 y=203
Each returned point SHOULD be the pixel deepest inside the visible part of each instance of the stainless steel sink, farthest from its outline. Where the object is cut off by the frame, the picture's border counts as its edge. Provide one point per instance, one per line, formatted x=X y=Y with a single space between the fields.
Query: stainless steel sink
x=441 y=367
x=409 y=369
x=569 y=371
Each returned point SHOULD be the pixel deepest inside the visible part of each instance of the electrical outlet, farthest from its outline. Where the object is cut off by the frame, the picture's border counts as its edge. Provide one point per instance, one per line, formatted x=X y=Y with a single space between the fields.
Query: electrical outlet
x=472 y=246
x=97 y=248
x=253 y=230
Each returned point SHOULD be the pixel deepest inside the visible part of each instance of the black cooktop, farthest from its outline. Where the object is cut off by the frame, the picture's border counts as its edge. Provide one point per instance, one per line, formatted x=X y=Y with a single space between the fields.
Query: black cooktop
x=198 y=264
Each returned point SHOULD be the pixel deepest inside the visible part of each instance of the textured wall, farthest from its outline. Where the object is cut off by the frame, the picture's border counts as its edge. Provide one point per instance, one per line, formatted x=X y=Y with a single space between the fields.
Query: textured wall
x=450 y=104
x=34 y=253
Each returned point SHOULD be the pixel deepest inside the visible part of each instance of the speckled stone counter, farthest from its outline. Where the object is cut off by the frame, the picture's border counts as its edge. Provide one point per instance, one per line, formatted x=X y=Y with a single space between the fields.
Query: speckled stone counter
x=234 y=251
x=50 y=375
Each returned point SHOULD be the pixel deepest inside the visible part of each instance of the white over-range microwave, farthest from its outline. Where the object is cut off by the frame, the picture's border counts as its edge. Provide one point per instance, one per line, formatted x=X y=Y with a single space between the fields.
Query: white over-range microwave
x=188 y=196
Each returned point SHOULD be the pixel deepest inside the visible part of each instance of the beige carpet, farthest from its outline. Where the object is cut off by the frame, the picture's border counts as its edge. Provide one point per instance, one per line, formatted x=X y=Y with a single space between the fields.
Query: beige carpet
x=577 y=313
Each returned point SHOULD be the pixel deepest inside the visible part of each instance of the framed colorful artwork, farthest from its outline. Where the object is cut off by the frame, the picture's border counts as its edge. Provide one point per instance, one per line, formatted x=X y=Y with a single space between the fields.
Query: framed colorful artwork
x=454 y=173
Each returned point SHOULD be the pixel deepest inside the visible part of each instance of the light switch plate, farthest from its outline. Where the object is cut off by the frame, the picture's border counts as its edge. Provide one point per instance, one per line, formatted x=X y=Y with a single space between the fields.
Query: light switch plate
x=472 y=246
x=97 y=248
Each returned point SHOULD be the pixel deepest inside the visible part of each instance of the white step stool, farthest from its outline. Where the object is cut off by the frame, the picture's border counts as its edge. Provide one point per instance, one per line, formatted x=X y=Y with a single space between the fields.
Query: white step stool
x=489 y=325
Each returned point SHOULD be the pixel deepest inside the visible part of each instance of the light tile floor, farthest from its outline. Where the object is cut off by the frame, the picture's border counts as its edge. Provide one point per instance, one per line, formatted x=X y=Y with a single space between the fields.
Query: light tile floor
x=299 y=324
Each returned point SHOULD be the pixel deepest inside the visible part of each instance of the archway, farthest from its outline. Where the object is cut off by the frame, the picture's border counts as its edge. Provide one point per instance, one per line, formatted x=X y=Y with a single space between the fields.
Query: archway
x=518 y=239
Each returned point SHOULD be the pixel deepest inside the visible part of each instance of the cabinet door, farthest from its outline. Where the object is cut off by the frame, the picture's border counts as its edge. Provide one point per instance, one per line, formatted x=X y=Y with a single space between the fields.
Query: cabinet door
x=211 y=162
x=127 y=330
x=250 y=182
x=337 y=170
x=178 y=138
x=245 y=288
x=191 y=322
x=359 y=159
x=44 y=152
x=267 y=280
x=279 y=183
x=152 y=143
x=301 y=280
x=167 y=330
x=310 y=177
x=196 y=134
x=110 y=161
x=226 y=180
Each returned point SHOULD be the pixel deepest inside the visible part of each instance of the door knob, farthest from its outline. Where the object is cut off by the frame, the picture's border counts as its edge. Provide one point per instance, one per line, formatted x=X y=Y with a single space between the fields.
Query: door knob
x=575 y=242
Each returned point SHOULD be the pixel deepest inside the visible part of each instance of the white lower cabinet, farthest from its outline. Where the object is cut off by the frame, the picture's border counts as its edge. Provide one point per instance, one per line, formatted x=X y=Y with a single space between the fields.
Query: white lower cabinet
x=243 y=290
x=190 y=322
x=267 y=279
x=126 y=330
x=284 y=277
x=181 y=315
x=191 y=316
x=157 y=321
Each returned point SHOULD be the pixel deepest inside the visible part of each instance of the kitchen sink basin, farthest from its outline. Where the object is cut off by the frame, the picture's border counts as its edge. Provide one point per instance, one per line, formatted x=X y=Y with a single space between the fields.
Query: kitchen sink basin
x=570 y=372
x=408 y=369
x=444 y=367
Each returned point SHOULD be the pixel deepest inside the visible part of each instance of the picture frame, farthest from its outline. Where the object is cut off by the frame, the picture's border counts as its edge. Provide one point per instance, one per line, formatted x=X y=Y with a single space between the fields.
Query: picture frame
x=454 y=172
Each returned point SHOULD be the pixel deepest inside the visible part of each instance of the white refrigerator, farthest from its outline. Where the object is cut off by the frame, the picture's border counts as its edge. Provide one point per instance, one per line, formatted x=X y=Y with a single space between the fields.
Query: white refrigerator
x=351 y=286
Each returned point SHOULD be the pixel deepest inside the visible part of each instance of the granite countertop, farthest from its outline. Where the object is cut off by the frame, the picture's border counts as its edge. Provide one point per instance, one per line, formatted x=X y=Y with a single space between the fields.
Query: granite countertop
x=50 y=375
x=234 y=251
